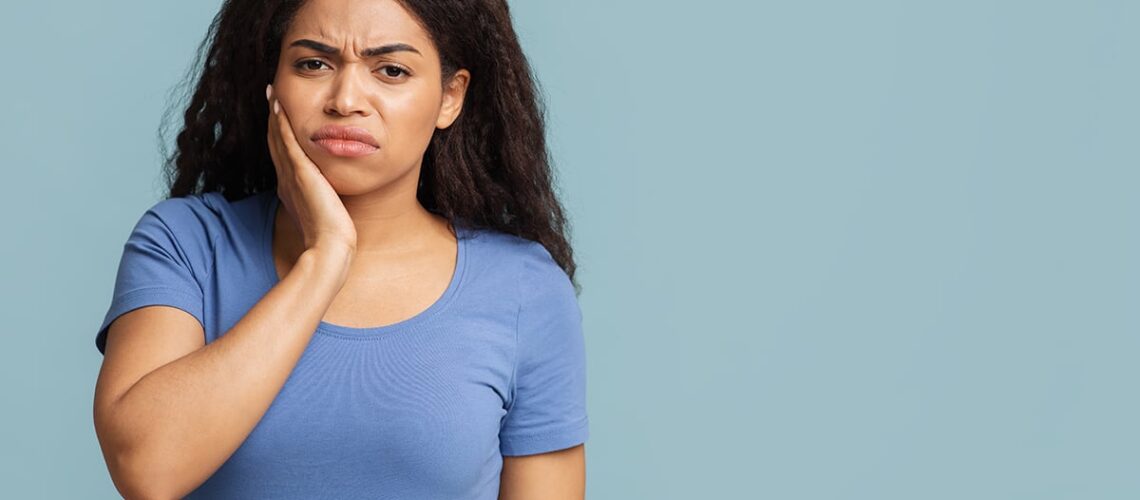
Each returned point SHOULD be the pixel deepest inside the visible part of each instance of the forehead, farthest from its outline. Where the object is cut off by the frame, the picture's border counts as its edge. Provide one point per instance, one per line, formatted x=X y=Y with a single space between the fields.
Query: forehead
x=357 y=23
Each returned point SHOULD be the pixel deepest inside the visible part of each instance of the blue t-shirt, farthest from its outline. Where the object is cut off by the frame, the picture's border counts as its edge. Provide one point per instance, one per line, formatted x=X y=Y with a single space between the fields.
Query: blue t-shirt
x=423 y=408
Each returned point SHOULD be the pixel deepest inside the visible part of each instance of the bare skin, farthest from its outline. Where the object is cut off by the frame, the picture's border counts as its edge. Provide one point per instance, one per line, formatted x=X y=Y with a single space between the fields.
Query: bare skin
x=558 y=475
x=170 y=409
x=380 y=291
x=405 y=255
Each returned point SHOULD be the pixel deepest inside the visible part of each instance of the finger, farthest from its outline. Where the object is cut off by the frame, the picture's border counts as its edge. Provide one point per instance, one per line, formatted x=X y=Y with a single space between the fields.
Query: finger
x=269 y=118
x=298 y=159
x=273 y=137
x=281 y=142
x=285 y=129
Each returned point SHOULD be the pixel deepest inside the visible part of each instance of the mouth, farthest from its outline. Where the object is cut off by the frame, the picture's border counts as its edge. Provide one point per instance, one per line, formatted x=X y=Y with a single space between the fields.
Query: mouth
x=338 y=147
x=345 y=141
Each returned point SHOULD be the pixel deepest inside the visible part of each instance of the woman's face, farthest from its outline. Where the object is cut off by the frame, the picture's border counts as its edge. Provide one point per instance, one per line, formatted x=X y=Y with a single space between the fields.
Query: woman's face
x=326 y=75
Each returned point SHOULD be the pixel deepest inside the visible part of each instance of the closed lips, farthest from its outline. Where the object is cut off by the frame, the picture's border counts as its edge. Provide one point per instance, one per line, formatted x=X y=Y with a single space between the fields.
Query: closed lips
x=339 y=133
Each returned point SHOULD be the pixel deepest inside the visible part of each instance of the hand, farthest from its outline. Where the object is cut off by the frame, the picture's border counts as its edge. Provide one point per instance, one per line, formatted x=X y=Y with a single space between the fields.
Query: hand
x=303 y=189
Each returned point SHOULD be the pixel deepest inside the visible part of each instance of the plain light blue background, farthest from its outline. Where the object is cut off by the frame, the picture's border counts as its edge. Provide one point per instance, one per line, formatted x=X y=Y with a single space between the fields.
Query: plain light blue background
x=874 y=250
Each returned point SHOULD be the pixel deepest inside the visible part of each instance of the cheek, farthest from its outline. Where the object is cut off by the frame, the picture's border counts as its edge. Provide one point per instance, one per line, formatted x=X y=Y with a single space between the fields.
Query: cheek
x=412 y=121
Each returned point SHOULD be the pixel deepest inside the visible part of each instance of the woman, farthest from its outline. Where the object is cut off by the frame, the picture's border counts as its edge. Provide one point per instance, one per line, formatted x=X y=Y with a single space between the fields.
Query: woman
x=375 y=299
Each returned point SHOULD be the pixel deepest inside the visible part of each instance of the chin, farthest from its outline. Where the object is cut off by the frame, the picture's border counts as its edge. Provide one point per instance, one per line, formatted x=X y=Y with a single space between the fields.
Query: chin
x=353 y=187
x=352 y=180
x=344 y=179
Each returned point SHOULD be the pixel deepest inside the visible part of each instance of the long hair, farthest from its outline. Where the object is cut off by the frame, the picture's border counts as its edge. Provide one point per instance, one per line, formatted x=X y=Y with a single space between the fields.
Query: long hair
x=489 y=169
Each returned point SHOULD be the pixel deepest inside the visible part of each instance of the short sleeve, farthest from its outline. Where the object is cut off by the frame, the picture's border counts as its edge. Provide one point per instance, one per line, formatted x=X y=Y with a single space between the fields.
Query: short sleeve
x=154 y=269
x=547 y=408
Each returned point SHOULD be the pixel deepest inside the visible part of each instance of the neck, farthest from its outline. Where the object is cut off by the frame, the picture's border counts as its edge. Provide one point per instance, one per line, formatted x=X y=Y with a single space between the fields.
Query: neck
x=385 y=225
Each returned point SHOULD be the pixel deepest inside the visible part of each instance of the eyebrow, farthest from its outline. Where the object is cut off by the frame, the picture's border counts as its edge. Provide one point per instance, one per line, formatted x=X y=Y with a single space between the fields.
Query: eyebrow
x=370 y=52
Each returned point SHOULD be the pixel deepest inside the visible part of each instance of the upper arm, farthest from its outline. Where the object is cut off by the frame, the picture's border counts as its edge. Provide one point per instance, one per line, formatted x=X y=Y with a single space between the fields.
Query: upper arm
x=555 y=475
x=546 y=410
x=156 y=313
x=139 y=342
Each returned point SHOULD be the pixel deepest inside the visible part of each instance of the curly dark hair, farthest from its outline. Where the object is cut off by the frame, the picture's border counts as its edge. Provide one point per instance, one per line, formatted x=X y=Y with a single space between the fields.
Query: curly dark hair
x=490 y=168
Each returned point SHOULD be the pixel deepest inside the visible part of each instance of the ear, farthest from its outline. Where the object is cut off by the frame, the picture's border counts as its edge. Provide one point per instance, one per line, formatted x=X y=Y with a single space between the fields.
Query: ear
x=453 y=94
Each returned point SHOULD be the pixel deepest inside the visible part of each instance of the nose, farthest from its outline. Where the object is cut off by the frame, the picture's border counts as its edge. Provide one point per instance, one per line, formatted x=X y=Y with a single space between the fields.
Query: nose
x=347 y=95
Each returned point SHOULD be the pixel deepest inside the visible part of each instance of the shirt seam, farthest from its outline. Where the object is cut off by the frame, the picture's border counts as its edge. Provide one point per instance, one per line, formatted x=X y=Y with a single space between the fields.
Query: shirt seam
x=164 y=289
x=212 y=240
x=518 y=315
x=557 y=432
x=130 y=301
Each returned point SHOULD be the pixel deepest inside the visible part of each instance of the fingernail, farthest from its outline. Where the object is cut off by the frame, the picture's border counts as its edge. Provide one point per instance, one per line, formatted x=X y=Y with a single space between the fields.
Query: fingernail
x=276 y=107
x=268 y=91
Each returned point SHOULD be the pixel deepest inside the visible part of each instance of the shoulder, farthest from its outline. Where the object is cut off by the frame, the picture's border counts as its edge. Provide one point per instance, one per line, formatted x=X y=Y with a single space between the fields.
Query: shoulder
x=189 y=228
x=184 y=214
x=540 y=271
x=204 y=209
x=201 y=217
x=504 y=265
x=530 y=263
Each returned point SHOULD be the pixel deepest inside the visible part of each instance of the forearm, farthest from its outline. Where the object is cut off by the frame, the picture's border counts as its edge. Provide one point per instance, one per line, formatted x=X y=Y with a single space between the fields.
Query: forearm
x=175 y=426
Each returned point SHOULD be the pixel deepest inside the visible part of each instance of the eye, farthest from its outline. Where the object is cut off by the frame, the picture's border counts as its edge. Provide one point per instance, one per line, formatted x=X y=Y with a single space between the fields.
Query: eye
x=302 y=64
x=388 y=71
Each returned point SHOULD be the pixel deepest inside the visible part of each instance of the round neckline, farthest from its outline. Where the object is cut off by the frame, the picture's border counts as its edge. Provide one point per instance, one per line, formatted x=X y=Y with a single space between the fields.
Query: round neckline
x=270 y=270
